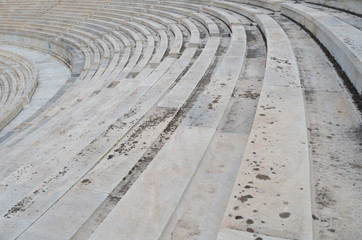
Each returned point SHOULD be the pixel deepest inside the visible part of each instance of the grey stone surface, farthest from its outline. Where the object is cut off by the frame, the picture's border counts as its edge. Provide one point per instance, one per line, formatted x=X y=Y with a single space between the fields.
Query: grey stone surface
x=354 y=6
x=181 y=120
x=51 y=76
x=341 y=39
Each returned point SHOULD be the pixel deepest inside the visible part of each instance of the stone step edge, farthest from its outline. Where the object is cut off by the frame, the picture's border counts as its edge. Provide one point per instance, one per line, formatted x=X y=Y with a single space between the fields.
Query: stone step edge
x=342 y=40
x=306 y=232
x=232 y=234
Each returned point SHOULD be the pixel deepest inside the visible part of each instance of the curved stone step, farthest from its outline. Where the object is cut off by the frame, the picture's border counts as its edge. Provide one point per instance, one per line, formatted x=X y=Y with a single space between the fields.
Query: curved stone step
x=170 y=77
x=353 y=6
x=341 y=39
x=185 y=142
x=18 y=92
x=273 y=184
x=150 y=128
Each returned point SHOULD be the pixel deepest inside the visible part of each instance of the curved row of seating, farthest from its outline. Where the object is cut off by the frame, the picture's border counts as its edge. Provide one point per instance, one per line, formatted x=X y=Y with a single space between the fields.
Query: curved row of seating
x=18 y=83
x=140 y=86
x=342 y=44
x=281 y=102
x=265 y=147
x=341 y=39
x=130 y=65
x=156 y=97
x=181 y=142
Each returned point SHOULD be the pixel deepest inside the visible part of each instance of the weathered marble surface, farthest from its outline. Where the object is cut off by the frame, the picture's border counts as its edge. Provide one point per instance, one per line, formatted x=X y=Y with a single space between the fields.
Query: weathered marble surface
x=342 y=40
x=52 y=75
x=273 y=185
x=354 y=6
x=147 y=145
